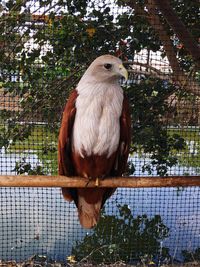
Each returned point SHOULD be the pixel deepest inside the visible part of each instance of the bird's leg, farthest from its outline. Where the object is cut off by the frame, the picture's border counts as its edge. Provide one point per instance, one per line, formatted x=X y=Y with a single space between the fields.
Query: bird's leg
x=89 y=179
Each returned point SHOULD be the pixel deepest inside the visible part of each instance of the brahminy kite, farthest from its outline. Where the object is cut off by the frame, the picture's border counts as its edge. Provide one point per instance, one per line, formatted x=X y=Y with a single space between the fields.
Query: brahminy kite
x=94 y=137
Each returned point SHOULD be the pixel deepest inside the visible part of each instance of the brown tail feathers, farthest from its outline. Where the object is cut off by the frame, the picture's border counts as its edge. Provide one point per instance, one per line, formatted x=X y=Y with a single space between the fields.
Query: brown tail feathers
x=89 y=206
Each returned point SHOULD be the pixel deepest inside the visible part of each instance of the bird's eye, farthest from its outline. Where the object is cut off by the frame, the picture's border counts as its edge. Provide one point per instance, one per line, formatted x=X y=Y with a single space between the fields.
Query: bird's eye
x=107 y=66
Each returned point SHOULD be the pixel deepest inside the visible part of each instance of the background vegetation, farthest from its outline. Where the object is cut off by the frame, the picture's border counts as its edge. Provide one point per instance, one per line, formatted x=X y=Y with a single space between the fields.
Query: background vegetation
x=124 y=238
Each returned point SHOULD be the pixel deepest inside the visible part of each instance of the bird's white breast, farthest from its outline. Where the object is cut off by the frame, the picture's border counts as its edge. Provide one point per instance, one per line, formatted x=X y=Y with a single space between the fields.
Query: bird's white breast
x=97 y=122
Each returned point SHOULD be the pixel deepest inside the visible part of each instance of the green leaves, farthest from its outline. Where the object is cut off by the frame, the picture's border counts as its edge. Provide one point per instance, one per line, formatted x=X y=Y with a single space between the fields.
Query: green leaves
x=150 y=134
x=23 y=167
x=123 y=237
x=190 y=256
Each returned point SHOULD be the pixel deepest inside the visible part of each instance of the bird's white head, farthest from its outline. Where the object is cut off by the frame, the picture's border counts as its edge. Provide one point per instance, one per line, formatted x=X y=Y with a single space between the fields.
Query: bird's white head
x=106 y=68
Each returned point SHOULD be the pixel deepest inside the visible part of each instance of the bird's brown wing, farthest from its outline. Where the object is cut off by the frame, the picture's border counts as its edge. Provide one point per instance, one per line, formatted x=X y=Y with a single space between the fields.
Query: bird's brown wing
x=65 y=165
x=123 y=148
x=125 y=139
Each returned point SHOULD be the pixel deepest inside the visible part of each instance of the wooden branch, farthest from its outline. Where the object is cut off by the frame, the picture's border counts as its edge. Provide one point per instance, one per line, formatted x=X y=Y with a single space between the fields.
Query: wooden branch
x=63 y=181
x=157 y=25
x=133 y=63
x=179 y=76
x=151 y=70
x=153 y=74
x=180 y=30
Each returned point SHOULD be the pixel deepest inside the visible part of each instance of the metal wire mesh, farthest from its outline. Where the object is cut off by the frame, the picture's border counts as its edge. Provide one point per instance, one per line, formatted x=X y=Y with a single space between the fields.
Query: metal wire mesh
x=45 y=47
x=39 y=221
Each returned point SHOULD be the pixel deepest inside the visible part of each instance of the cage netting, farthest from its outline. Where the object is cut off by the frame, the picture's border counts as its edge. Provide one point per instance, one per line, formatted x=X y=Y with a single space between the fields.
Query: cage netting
x=45 y=46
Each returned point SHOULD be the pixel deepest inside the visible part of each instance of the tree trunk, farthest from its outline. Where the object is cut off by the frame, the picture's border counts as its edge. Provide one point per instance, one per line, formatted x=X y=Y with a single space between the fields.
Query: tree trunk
x=182 y=80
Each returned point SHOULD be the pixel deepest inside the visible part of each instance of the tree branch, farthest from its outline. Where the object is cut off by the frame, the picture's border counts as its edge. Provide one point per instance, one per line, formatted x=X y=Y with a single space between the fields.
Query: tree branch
x=180 y=30
x=149 y=70
x=178 y=76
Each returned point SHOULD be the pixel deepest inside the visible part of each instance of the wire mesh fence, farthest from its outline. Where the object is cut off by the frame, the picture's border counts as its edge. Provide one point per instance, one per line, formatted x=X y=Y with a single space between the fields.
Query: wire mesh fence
x=45 y=48
x=39 y=222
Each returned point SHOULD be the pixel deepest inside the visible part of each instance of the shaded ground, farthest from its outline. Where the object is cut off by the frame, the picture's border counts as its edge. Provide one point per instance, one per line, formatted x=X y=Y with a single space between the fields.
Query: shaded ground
x=189 y=264
x=35 y=263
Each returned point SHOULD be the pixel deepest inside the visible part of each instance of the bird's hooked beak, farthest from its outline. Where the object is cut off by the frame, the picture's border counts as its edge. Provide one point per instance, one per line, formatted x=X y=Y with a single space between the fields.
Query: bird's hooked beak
x=123 y=72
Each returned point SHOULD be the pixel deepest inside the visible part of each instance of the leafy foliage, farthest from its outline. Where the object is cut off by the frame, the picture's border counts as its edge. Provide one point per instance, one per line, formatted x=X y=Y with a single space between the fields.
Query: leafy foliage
x=150 y=134
x=190 y=256
x=123 y=237
x=23 y=167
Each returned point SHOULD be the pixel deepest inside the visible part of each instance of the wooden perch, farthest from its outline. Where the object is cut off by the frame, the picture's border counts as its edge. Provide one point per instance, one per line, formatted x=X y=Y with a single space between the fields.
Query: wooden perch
x=131 y=182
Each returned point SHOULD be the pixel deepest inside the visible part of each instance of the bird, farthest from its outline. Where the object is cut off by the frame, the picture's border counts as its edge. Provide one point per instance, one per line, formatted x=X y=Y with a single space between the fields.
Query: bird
x=94 y=136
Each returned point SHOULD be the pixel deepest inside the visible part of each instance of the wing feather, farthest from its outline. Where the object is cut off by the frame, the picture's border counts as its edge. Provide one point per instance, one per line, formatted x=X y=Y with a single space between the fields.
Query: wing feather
x=125 y=139
x=65 y=164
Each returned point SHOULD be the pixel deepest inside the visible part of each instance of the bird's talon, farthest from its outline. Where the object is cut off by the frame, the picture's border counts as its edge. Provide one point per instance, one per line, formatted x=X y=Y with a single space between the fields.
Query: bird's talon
x=97 y=182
